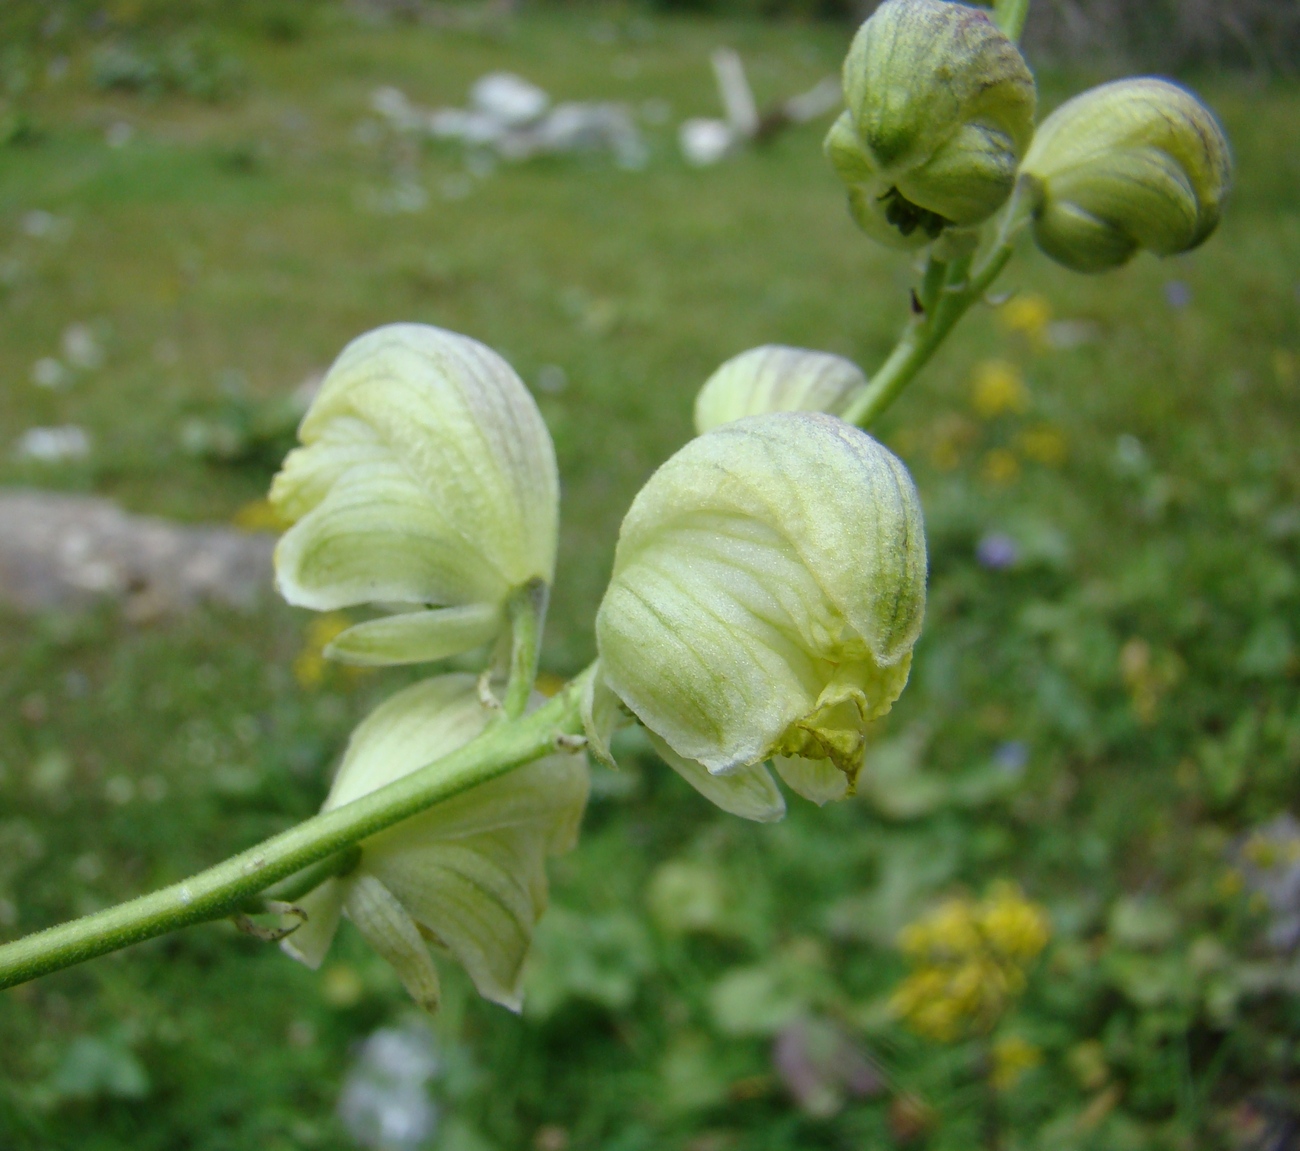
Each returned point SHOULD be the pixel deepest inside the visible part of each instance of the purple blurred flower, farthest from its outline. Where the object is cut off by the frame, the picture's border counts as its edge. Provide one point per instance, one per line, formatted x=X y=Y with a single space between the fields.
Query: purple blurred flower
x=821 y=1066
x=1269 y=858
x=1011 y=756
x=1178 y=293
x=997 y=551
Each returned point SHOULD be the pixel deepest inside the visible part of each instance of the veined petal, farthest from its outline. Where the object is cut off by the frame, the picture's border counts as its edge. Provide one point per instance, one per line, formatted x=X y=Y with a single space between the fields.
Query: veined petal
x=768 y=561
x=470 y=870
x=417 y=636
x=775 y=378
x=393 y=934
x=748 y=792
x=426 y=476
x=816 y=779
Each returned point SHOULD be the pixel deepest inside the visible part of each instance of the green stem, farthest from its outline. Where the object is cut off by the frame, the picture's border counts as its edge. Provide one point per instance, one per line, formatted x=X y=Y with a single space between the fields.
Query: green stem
x=961 y=287
x=527 y=610
x=227 y=887
x=308 y=879
x=1010 y=16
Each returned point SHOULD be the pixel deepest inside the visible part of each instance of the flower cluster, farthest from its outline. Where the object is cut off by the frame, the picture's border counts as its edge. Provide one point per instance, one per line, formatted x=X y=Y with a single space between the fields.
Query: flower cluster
x=970 y=961
x=768 y=586
x=769 y=579
x=939 y=133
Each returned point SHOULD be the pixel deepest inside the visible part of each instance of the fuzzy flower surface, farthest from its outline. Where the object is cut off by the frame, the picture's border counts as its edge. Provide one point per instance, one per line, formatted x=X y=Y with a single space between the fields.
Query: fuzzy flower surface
x=425 y=485
x=768 y=587
x=467 y=876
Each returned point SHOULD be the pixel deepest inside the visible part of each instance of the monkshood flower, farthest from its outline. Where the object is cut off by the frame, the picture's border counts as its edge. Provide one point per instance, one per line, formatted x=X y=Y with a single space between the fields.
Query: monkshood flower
x=774 y=378
x=426 y=480
x=940 y=112
x=768 y=586
x=1135 y=164
x=468 y=875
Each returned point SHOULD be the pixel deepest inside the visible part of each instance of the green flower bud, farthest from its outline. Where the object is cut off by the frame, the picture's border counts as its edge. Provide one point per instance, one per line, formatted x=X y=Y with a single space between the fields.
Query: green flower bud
x=427 y=479
x=1133 y=164
x=940 y=111
x=468 y=874
x=768 y=586
x=773 y=378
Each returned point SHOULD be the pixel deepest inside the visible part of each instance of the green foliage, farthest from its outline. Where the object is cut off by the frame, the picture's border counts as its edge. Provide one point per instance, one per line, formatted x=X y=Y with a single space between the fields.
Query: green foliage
x=1103 y=706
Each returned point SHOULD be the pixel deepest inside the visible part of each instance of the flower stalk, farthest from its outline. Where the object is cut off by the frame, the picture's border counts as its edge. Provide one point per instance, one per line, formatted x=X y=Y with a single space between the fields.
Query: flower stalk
x=228 y=887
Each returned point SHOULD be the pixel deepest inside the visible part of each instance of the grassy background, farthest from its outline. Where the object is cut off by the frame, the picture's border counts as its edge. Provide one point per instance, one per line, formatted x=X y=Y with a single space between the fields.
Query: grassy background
x=1140 y=656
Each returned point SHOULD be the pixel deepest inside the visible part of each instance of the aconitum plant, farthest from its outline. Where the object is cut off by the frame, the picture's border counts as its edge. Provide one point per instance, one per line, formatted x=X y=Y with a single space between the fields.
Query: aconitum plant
x=769 y=579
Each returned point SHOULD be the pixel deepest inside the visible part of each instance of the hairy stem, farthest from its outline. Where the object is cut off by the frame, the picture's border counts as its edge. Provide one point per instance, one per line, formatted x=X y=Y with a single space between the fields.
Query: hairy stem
x=527 y=610
x=948 y=290
x=229 y=886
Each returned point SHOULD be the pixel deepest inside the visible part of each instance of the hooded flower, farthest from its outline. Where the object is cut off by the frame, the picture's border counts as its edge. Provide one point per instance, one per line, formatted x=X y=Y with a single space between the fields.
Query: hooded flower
x=774 y=378
x=940 y=111
x=1138 y=163
x=426 y=480
x=467 y=875
x=768 y=586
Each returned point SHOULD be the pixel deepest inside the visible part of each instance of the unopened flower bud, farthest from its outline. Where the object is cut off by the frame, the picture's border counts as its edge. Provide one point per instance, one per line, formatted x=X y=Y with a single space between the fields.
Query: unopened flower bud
x=768 y=586
x=1134 y=164
x=940 y=111
x=426 y=479
x=468 y=874
x=774 y=378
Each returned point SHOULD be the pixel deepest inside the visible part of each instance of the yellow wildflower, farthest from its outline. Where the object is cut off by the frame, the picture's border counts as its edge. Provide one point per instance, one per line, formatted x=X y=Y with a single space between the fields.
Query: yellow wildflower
x=259 y=516
x=1000 y=467
x=1014 y=927
x=1028 y=316
x=1044 y=445
x=1012 y=1057
x=309 y=664
x=969 y=963
x=997 y=387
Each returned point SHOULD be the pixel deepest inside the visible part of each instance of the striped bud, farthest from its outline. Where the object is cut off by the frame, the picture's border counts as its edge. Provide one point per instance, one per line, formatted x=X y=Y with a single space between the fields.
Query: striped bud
x=768 y=586
x=773 y=378
x=426 y=480
x=1136 y=164
x=940 y=111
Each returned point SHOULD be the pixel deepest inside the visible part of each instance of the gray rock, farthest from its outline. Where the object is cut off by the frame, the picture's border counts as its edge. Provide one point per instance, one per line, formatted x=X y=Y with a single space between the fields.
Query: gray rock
x=64 y=551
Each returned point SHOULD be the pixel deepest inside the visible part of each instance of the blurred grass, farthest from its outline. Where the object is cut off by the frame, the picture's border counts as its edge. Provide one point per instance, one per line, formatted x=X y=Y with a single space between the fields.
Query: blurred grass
x=1099 y=721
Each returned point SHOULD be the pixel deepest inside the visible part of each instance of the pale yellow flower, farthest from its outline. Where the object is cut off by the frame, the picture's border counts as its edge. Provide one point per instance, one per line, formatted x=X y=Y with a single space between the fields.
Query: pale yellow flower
x=997 y=386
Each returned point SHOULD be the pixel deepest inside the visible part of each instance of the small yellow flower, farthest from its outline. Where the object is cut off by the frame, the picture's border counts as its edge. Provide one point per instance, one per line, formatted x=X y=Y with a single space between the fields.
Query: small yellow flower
x=970 y=960
x=1013 y=926
x=259 y=516
x=1044 y=445
x=950 y=931
x=310 y=665
x=998 y=387
x=1012 y=1057
x=1027 y=316
x=1000 y=467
